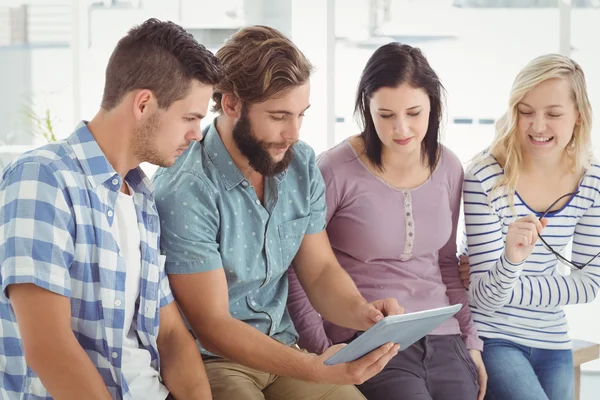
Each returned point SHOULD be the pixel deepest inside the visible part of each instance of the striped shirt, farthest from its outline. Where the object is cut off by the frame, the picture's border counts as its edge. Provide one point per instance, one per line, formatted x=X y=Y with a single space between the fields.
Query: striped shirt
x=56 y=211
x=524 y=302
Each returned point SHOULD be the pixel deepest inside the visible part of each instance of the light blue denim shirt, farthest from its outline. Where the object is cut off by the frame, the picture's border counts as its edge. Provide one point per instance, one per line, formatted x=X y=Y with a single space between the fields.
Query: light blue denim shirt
x=211 y=218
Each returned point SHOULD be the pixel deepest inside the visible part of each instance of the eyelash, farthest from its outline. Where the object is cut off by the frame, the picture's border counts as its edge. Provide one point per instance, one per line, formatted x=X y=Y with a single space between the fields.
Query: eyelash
x=188 y=119
x=391 y=115
x=283 y=118
x=550 y=115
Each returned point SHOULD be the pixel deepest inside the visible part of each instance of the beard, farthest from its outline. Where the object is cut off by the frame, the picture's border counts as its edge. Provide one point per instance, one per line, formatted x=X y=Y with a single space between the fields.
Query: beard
x=145 y=145
x=257 y=151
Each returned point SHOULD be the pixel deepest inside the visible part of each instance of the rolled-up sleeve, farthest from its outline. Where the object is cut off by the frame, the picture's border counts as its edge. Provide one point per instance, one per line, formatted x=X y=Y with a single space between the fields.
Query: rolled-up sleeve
x=36 y=237
x=187 y=206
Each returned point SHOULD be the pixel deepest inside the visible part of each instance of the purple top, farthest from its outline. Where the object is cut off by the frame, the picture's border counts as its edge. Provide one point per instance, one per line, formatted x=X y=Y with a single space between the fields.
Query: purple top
x=398 y=243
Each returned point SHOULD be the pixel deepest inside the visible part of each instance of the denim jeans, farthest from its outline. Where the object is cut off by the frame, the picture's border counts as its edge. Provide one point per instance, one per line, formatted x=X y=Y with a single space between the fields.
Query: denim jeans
x=527 y=373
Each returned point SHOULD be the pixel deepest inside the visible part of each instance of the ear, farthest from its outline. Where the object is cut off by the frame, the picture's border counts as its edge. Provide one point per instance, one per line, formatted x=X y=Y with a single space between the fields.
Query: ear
x=578 y=121
x=143 y=103
x=231 y=105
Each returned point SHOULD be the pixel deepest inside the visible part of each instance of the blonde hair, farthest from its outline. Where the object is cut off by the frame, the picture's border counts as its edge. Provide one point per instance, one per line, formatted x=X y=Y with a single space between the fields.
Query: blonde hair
x=505 y=146
x=260 y=62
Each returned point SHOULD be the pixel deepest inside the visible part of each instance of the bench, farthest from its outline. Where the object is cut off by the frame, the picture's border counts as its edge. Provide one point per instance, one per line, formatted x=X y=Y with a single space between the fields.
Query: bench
x=583 y=352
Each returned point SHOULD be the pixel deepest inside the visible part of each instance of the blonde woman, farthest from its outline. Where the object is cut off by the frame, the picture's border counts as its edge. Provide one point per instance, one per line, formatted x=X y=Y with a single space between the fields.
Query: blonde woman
x=535 y=188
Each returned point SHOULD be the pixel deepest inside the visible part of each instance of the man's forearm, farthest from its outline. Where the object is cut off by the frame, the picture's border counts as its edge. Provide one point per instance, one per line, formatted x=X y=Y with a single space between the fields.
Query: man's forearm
x=239 y=342
x=66 y=371
x=335 y=296
x=182 y=368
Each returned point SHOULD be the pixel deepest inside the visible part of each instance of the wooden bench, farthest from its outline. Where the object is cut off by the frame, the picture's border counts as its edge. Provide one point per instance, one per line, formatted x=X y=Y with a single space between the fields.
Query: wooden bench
x=583 y=352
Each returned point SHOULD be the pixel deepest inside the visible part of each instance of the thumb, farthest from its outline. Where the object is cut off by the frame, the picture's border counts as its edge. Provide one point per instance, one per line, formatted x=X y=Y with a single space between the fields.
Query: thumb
x=374 y=314
x=544 y=222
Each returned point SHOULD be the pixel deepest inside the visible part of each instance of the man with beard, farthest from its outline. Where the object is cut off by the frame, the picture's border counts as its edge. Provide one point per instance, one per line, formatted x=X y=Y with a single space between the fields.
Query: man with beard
x=236 y=210
x=86 y=311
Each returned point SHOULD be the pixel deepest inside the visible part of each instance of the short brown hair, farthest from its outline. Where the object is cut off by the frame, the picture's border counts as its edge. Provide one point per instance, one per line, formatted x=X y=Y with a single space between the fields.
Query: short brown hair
x=161 y=57
x=260 y=62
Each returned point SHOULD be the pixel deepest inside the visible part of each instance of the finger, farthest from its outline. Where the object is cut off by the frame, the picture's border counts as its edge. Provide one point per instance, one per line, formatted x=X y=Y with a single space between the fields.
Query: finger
x=374 y=314
x=391 y=307
x=466 y=283
x=544 y=222
x=464 y=260
x=521 y=239
x=530 y=219
x=527 y=225
x=482 y=386
x=464 y=268
x=371 y=358
x=463 y=275
x=528 y=231
x=380 y=364
x=534 y=220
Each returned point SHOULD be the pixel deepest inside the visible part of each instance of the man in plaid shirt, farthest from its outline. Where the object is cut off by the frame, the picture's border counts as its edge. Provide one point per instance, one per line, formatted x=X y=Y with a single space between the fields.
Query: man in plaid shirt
x=85 y=307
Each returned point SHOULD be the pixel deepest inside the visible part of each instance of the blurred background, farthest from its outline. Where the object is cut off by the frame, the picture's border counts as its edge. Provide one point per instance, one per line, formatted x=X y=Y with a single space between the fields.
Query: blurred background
x=53 y=54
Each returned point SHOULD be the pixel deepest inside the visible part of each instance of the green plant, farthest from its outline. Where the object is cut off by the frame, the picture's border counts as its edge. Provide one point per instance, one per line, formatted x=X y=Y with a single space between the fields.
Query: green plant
x=43 y=125
x=39 y=125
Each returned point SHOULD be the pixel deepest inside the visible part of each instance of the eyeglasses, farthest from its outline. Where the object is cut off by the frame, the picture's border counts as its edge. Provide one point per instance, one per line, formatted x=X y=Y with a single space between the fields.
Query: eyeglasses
x=570 y=264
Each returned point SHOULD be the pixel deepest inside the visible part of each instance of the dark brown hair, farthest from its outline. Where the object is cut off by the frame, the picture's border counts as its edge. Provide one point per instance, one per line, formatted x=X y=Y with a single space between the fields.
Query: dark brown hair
x=390 y=66
x=161 y=57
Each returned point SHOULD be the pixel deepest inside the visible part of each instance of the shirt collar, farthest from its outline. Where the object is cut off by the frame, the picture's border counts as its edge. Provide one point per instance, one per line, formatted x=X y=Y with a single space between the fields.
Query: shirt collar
x=218 y=154
x=97 y=167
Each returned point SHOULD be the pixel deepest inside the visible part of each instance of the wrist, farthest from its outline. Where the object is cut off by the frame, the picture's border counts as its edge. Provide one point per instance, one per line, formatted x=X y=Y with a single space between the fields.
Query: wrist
x=308 y=368
x=511 y=260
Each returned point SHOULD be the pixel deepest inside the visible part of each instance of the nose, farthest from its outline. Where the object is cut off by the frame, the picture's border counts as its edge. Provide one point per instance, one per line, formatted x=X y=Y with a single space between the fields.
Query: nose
x=292 y=131
x=194 y=135
x=401 y=126
x=539 y=124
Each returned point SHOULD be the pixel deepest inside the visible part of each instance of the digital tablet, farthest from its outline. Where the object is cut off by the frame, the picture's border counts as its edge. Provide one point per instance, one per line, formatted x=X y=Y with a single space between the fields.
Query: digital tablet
x=402 y=329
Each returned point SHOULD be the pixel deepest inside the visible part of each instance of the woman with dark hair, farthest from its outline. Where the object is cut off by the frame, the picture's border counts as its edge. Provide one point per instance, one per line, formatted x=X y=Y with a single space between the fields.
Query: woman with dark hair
x=393 y=202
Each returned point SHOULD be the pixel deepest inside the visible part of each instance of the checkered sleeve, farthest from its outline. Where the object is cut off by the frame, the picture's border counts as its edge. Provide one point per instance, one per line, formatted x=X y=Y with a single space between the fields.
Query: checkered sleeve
x=166 y=296
x=36 y=236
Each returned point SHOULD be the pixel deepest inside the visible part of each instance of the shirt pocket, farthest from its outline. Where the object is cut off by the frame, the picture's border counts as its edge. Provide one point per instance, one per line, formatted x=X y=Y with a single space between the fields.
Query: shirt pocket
x=291 y=234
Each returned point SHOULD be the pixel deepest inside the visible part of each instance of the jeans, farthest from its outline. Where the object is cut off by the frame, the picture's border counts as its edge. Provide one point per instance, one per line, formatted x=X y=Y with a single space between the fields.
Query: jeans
x=527 y=373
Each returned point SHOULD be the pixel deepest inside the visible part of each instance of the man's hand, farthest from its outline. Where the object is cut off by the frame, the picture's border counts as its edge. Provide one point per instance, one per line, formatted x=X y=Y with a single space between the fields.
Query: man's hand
x=464 y=270
x=373 y=312
x=356 y=372
x=481 y=372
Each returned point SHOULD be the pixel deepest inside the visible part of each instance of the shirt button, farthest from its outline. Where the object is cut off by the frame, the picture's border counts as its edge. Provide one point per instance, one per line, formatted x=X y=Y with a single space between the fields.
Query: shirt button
x=258 y=201
x=117 y=302
x=244 y=183
x=110 y=213
x=115 y=182
x=407 y=204
x=253 y=303
x=114 y=354
x=410 y=224
x=406 y=193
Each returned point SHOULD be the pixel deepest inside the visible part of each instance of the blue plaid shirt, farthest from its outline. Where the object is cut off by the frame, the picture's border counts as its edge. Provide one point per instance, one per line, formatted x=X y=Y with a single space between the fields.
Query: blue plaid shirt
x=56 y=211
